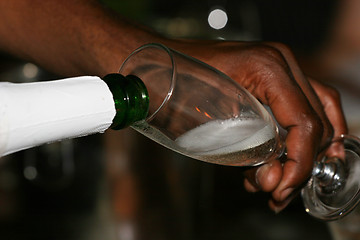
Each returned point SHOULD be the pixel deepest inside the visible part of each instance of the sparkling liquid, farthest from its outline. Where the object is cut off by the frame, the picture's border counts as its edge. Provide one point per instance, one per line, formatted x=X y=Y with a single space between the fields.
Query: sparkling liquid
x=236 y=142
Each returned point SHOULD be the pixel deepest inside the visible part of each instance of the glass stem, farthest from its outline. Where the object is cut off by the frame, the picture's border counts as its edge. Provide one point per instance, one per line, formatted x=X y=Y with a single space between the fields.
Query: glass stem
x=330 y=174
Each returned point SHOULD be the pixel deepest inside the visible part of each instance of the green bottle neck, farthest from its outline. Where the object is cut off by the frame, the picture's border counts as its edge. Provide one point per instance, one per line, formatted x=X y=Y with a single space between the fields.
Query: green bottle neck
x=130 y=97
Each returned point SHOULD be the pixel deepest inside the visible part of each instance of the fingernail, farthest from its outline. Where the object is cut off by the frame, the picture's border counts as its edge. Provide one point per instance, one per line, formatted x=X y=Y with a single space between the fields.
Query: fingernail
x=277 y=207
x=260 y=173
x=277 y=210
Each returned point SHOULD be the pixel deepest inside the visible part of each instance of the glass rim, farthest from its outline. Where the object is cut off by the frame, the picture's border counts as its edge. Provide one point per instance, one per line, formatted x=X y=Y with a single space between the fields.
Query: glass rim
x=173 y=72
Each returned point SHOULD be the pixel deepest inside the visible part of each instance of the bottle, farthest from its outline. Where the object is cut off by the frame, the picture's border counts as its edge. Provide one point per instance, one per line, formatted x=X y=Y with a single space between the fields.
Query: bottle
x=130 y=97
x=32 y=114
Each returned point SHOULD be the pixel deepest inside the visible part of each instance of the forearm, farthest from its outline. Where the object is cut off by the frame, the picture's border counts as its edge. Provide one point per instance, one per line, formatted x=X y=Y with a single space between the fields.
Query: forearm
x=70 y=37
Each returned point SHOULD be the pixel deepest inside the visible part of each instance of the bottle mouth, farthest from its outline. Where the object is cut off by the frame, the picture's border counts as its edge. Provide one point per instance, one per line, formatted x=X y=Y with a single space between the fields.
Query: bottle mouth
x=130 y=97
x=155 y=65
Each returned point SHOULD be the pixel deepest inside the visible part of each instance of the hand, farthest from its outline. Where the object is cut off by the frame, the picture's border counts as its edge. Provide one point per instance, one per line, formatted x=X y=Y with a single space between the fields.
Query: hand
x=309 y=111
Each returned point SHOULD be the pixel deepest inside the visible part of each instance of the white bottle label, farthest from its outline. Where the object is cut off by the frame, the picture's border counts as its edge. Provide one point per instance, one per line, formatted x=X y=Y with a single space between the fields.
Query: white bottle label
x=32 y=114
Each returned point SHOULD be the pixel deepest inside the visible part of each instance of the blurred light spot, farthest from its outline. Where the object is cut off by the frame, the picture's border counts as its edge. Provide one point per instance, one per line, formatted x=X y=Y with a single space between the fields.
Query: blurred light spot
x=30 y=173
x=30 y=70
x=217 y=19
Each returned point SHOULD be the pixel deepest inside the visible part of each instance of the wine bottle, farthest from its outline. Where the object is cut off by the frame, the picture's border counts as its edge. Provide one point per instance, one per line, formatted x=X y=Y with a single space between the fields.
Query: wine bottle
x=32 y=114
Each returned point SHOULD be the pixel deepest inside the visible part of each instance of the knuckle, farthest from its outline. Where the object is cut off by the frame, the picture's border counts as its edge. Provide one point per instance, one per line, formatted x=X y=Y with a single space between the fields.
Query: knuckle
x=321 y=130
x=270 y=53
x=266 y=61
x=314 y=125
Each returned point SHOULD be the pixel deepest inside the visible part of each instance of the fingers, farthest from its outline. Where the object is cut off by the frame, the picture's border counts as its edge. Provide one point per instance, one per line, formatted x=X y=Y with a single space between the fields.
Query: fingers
x=330 y=99
x=307 y=136
x=294 y=112
x=279 y=206
x=264 y=178
x=331 y=102
x=296 y=107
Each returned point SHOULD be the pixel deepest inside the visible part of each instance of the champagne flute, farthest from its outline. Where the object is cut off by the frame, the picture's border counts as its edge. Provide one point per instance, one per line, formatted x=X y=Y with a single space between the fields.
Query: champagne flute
x=200 y=112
